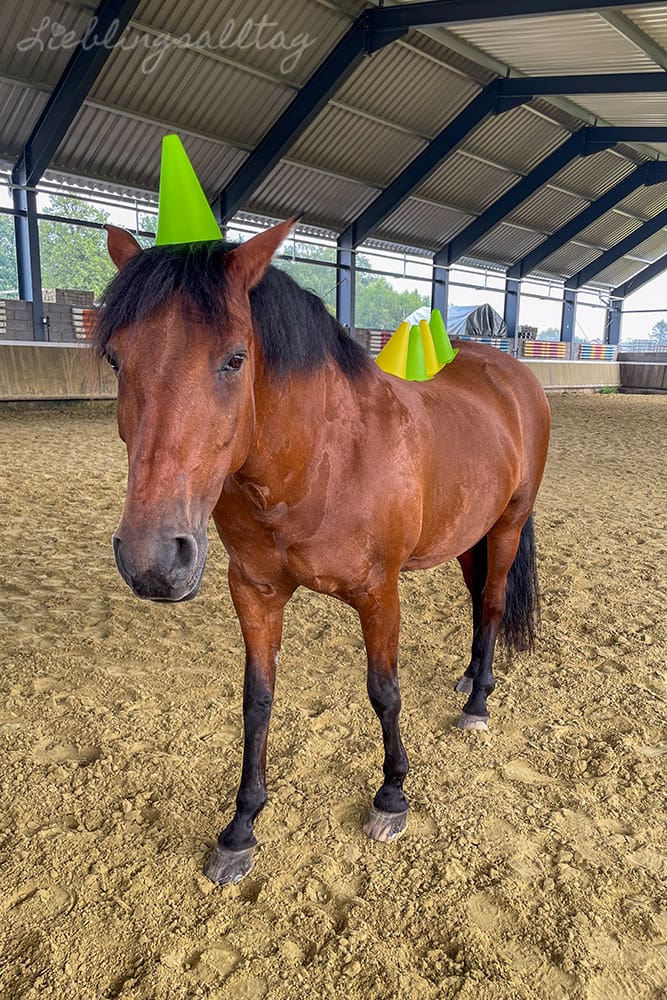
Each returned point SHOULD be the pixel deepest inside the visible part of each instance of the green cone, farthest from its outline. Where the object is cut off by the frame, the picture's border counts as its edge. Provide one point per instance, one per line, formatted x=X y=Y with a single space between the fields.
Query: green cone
x=415 y=369
x=184 y=214
x=443 y=348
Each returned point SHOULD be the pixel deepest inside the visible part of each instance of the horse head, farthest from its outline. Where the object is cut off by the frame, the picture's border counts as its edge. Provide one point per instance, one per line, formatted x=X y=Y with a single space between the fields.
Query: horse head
x=177 y=328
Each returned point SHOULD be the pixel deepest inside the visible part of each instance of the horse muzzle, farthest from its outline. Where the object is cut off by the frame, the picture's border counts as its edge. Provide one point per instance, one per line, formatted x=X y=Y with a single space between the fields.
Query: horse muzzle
x=161 y=567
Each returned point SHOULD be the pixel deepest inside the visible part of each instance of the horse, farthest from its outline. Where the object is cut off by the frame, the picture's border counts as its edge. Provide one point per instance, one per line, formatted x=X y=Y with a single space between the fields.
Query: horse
x=242 y=399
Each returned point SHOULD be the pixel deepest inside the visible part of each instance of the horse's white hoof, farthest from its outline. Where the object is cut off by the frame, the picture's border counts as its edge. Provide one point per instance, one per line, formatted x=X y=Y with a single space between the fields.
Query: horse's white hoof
x=385 y=826
x=476 y=723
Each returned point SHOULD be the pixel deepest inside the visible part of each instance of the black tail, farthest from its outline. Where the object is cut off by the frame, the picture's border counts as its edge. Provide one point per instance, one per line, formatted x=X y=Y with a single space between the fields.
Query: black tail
x=522 y=605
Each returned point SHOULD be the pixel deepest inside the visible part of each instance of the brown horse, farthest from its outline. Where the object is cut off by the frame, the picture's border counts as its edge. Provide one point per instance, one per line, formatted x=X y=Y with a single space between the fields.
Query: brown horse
x=240 y=397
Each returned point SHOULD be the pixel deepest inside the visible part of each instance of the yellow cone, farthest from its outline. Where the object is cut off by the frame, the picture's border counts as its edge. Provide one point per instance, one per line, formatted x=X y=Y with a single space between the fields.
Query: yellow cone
x=184 y=214
x=393 y=357
x=433 y=366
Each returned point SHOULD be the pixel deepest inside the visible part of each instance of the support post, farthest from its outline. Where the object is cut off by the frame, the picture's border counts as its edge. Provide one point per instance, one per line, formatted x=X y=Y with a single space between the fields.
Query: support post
x=569 y=315
x=28 y=260
x=613 y=324
x=512 y=293
x=346 y=282
x=440 y=290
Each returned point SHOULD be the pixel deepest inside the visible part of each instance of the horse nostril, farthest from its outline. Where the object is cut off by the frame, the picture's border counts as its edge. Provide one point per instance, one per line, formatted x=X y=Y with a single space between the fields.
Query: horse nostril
x=185 y=556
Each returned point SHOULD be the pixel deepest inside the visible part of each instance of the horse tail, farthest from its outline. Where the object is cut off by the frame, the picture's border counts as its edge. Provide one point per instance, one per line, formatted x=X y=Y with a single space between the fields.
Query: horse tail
x=522 y=603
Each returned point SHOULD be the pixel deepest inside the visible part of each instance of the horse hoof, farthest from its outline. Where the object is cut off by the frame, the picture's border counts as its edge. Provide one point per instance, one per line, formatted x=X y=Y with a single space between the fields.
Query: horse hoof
x=464 y=686
x=477 y=723
x=384 y=826
x=225 y=867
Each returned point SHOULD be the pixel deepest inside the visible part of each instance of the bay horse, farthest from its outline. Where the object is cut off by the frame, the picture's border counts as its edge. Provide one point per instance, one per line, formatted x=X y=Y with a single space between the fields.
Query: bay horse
x=240 y=397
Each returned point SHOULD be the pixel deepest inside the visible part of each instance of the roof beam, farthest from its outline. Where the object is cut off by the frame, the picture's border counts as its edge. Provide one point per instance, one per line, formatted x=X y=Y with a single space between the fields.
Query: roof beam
x=442 y=146
x=109 y=22
x=633 y=284
x=644 y=232
x=647 y=173
x=595 y=83
x=421 y=15
x=575 y=146
x=634 y=34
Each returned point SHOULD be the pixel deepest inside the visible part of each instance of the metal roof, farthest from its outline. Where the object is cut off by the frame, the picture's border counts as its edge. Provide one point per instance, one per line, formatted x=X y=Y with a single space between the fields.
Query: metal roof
x=223 y=100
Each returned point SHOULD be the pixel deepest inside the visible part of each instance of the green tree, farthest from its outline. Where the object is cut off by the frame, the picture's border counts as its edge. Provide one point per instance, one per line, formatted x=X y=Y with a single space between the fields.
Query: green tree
x=8 y=277
x=74 y=256
x=381 y=307
x=316 y=278
x=659 y=332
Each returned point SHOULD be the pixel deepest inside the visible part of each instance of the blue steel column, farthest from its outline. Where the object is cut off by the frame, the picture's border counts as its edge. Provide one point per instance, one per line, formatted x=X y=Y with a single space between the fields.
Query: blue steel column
x=28 y=263
x=440 y=290
x=346 y=282
x=613 y=324
x=512 y=293
x=569 y=315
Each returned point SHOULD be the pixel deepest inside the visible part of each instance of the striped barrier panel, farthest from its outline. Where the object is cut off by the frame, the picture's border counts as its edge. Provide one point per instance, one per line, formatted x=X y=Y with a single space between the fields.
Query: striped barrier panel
x=543 y=349
x=597 y=352
x=500 y=342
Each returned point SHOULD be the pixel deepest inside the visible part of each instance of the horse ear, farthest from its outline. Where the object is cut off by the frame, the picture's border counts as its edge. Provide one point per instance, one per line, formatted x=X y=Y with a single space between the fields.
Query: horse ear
x=121 y=245
x=247 y=263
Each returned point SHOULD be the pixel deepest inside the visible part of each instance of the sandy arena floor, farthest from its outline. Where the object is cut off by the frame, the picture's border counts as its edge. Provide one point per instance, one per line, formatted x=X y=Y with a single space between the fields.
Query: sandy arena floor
x=534 y=863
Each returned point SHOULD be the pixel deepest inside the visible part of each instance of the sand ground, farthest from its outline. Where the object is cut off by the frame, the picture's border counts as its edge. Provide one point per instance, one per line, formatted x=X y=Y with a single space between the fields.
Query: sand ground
x=534 y=863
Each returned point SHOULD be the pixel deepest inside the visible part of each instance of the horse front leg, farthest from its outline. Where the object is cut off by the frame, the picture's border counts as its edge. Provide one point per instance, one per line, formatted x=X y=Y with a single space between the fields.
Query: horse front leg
x=380 y=616
x=261 y=616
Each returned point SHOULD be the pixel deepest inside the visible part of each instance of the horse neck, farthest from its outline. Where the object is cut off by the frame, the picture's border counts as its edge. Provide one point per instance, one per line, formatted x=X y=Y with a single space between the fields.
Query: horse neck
x=295 y=417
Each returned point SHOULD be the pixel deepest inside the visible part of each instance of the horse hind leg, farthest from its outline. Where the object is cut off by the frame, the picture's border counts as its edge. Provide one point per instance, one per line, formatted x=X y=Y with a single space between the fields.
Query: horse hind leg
x=473 y=566
x=510 y=553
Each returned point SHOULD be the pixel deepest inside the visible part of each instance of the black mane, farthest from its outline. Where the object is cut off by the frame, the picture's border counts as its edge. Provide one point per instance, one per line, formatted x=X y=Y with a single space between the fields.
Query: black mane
x=295 y=329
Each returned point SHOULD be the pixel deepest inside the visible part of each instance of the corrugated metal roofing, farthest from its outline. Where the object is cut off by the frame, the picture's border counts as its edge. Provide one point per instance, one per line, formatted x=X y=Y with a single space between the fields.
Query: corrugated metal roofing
x=619 y=271
x=20 y=108
x=229 y=93
x=608 y=230
x=334 y=143
x=628 y=109
x=433 y=225
x=327 y=200
x=409 y=88
x=646 y=201
x=466 y=183
x=548 y=209
x=225 y=98
x=506 y=244
x=518 y=139
x=544 y=46
x=569 y=259
x=591 y=176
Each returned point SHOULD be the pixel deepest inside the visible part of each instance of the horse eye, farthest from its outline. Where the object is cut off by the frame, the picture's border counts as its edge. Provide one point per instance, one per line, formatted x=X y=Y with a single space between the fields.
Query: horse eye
x=234 y=363
x=114 y=364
